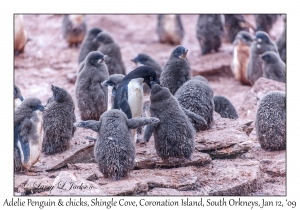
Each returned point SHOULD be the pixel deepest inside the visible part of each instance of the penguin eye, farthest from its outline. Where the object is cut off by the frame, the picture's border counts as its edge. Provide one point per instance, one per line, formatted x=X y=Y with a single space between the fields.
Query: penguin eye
x=151 y=78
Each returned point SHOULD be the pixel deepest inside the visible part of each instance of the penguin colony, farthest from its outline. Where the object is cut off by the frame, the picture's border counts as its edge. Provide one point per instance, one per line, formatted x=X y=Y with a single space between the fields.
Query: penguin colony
x=111 y=102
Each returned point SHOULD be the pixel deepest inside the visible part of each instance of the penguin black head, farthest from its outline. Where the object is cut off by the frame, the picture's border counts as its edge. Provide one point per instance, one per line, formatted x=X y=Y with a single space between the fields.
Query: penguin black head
x=104 y=38
x=34 y=104
x=180 y=52
x=262 y=37
x=141 y=58
x=145 y=72
x=17 y=93
x=270 y=57
x=59 y=94
x=244 y=37
x=95 y=58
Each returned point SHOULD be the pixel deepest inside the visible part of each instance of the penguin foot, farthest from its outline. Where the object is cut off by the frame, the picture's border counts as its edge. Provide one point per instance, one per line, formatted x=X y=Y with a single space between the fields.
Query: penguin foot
x=30 y=173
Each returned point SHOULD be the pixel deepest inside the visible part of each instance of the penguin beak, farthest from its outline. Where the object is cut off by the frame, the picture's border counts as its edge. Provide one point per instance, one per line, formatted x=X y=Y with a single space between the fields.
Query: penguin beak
x=105 y=83
x=134 y=61
x=41 y=108
x=21 y=98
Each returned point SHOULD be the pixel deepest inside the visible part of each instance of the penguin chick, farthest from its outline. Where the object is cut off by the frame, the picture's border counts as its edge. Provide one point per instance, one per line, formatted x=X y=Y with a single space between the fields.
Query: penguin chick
x=144 y=59
x=114 y=149
x=58 y=119
x=209 y=30
x=264 y=22
x=108 y=47
x=270 y=122
x=18 y=98
x=224 y=107
x=177 y=70
x=169 y=29
x=20 y=35
x=89 y=43
x=196 y=95
x=91 y=95
x=174 y=135
x=273 y=67
x=261 y=44
x=112 y=84
x=28 y=134
x=241 y=54
x=74 y=28
x=281 y=43
x=234 y=24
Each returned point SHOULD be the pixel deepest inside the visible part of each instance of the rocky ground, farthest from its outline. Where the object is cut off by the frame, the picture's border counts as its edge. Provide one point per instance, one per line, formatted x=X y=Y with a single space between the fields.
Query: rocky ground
x=228 y=159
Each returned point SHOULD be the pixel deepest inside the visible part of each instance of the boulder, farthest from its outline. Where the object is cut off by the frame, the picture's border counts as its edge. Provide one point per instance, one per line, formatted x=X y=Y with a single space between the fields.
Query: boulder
x=259 y=89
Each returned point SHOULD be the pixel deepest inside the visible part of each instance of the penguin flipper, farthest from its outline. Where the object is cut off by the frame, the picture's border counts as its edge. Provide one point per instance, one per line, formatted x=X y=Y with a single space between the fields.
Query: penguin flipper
x=89 y=124
x=124 y=106
x=24 y=129
x=194 y=116
x=149 y=130
x=24 y=147
x=141 y=121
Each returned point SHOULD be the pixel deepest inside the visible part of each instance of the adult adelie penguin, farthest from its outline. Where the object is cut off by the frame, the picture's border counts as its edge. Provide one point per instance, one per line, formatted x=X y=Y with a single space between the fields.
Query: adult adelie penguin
x=18 y=98
x=28 y=134
x=74 y=28
x=169 y=29
x=143 y=59
x=234 y=24
x=130 y=96
x=108 y=47
x=273 y=67
x=89 y=43
x=20 y=35
x=112 y=84
x=241 y=54
x=177 y=70
x=196 y=95
x=261 y=44
x=209 y=30
x=58 y=119
x=91 y=94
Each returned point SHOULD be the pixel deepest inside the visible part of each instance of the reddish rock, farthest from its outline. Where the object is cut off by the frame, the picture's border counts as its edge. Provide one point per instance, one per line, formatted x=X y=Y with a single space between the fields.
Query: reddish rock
x=259 y=89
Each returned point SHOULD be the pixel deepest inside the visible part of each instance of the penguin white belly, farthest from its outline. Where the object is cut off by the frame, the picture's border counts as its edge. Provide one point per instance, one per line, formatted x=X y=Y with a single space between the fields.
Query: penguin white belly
x=136 y=100
x=235 y=64
x=170 y=24
x=136 y=96
x=109 y=98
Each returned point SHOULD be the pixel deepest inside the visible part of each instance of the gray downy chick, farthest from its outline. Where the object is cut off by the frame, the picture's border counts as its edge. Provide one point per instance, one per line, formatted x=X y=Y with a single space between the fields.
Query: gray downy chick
x=177 y=70
x=58 y=119
x=74 y=28
x=91 y=94
x=264 y=22
x=114 y=149
x=196 y=95
x=28 y=134
x=114 y=60
x=224 y=107
x=174 y=135
x=143 y=59
x=270 y=122
x=234 y=23
x=169 y=29
x=241 y=53
x=273 y=67
x=209 y=30
x=112 y=84
x=89 y=43
x=281 y=42
x=261 y=44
